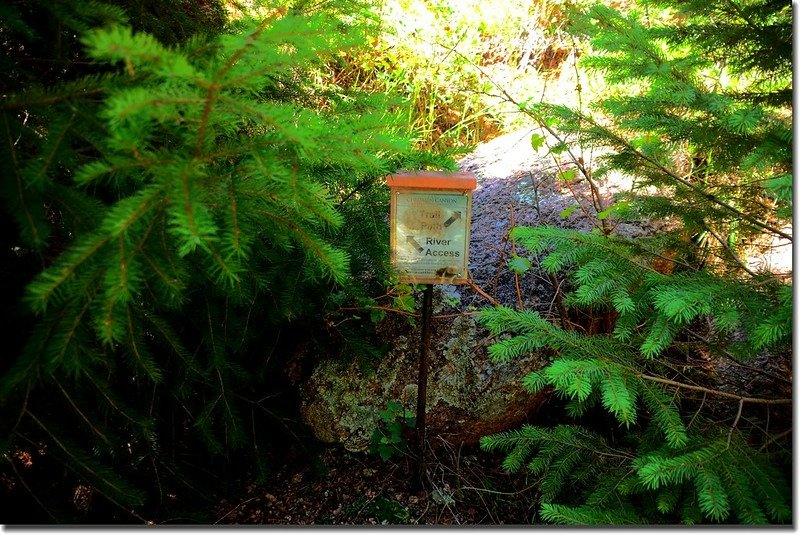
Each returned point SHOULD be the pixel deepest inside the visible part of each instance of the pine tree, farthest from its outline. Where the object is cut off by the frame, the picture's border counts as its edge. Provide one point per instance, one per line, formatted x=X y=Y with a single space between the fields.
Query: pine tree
x=706 y=134
x=173 y=203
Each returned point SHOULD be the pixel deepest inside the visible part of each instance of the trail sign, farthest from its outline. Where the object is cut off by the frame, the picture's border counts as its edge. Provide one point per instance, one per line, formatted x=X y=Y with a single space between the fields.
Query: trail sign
x=429 y=243
x=429 y=226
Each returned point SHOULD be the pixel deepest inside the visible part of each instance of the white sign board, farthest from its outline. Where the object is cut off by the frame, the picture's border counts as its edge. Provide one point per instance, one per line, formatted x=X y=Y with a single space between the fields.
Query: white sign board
x=430 y=235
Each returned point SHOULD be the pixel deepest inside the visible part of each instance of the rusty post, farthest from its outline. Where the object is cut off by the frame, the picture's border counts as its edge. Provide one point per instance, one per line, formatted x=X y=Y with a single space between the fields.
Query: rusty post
x=422 y=386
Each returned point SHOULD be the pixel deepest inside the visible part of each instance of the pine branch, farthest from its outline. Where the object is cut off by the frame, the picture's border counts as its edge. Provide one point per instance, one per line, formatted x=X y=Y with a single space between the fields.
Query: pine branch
x=112 y=487
x=23 y=203
x=36 y=171
x=216 y=85
x=80 y=413
x=128 y=413
x=587 y=516
x=620 y=141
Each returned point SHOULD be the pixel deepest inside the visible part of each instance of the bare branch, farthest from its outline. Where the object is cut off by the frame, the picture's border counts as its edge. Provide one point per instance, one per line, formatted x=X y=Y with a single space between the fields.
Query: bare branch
x=735 y=421
x=720 y=393
x=483 y=294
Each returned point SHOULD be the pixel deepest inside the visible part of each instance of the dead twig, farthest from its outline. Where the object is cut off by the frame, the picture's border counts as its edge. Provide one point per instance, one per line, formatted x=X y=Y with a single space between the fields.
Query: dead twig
x=775 y=439
x=458 y=315
x=242 y=504
x=730 y=251
x=385 y=309
x=511 y=222
x=480 y=292
x=558 y=298
x=735 y=421
x=734 y=362
x=720 y=393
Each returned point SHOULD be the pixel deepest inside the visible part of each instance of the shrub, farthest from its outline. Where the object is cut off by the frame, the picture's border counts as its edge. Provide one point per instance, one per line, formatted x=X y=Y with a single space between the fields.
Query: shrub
x=173 y=205
x=705 y=134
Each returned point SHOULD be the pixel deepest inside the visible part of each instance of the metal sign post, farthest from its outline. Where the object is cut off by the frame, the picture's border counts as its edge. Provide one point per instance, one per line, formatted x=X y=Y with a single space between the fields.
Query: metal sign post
x=429 y=243
x=422 y=386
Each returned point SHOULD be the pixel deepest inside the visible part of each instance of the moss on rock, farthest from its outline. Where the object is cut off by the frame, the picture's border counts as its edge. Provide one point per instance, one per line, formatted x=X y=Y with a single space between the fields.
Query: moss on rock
x=468 y=394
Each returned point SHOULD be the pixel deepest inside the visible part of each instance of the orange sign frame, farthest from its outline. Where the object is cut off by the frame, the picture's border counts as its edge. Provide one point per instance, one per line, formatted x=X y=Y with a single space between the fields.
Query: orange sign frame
x=430 y=216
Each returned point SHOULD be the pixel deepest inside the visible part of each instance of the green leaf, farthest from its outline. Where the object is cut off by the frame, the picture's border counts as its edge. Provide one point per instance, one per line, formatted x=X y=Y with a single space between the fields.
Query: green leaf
x=140 y=50
x=616 y=209
x=377 y=316
x=665 y=414
x=622 y=302
x=661 y=334
x=519 y=264
x=780 y=187
x=744 y=121
x=385 y=452
x=534 y=381
x=711 y=494
x=575 y=377
x=405 y=302
x=568 y=175
x=394 y=406
x=618 y=398
x=568 y=211
x=668 y=499
x=403 y=289
x=537 y=141
x=394 y=428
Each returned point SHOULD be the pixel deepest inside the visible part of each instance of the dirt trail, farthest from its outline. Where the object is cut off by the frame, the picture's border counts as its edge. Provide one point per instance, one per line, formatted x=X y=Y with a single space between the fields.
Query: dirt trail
x=519 y=186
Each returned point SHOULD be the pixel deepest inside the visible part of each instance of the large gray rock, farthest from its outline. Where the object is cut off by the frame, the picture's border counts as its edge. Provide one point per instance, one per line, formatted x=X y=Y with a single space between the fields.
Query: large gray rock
x=469 y=395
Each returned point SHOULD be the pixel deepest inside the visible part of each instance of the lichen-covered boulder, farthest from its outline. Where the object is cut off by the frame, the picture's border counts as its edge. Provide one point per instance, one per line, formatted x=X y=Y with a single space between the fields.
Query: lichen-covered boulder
x=469 y=395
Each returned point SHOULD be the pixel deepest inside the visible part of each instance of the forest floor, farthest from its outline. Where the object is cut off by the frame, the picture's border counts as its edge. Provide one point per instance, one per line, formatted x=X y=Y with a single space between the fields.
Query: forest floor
x=465 y=486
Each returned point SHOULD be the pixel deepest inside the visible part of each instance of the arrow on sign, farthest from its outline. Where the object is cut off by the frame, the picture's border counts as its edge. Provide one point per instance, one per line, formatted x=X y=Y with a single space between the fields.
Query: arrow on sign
x=412 y=241
x=453 y=218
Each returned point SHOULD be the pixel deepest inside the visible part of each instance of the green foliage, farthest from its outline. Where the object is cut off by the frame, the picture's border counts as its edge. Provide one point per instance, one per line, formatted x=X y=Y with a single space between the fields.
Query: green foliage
x=652 y=307
x=176 y=207
x=707 y=137
x=440 y=54
x=387 y=439
x=388 y=511
x=589 y=370
x=404 y=300
x=619 y=485
x=519 y=264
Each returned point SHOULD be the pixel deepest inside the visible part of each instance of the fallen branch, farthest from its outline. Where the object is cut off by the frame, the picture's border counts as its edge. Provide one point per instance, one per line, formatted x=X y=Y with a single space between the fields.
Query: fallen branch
x=735 y=421
x=480 y=292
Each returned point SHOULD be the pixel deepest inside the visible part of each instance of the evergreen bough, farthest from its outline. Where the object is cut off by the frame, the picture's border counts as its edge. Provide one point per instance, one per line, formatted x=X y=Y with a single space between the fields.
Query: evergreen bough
x=173 y=203
x=715 y=159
